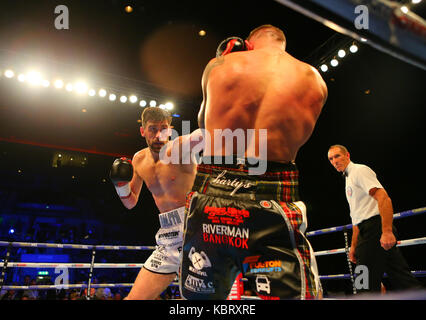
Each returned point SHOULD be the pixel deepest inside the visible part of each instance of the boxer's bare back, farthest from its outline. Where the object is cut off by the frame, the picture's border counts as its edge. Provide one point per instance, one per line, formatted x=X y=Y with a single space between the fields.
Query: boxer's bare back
x=265 y=88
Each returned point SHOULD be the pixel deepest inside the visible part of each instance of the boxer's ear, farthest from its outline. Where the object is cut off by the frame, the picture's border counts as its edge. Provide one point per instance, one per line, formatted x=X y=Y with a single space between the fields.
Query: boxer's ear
x=249 y=46
x=142 y=131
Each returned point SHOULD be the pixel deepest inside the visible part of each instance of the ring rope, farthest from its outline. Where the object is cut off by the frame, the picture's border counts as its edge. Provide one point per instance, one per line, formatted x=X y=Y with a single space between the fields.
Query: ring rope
x=401 y=243
x=68 y=286
x=92 y=265
x=74 y=246
x=74 y=265
x=417 y=273
x=403 y=214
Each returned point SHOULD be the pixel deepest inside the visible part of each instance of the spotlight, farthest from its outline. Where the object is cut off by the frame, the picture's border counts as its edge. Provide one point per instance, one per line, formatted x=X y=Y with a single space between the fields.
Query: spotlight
x=128 y=9
x=201 y=33
x=353 y=48
x=123 y=99
x=11 y=231
x=9 y=74
x=21 y=78
x=142 y=103
x=91 y=92
x=152 y=103
x=133 y=99
x=416 y=1
x=112 y=97
x=324 y=68
x=341 y=53
x=404 y=9
x=69 y=87
x=81 y=87
x=169 y=106
x=58 y=84
x=34 y=77
x=102 y=93
x=45 y=83
x=334 y=63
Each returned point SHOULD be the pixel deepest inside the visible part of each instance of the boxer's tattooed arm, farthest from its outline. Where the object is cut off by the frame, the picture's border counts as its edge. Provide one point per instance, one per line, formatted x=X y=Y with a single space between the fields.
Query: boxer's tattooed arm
x=214 y=63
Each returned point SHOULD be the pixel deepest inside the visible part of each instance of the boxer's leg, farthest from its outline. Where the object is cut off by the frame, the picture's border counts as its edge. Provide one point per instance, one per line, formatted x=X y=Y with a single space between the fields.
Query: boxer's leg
x=162 y=266
x=149 y=285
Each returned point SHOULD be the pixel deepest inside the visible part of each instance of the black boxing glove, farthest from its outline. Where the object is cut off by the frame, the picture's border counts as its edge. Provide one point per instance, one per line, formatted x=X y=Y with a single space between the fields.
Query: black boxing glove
x=232 y=44
x=121 y=174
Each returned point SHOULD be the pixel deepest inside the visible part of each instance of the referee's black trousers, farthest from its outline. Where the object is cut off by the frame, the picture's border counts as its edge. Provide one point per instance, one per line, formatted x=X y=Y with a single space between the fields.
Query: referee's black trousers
x=378 y=261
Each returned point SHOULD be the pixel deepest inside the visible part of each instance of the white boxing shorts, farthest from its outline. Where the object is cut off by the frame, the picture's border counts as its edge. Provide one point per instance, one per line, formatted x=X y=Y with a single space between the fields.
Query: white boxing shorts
x=166 y=257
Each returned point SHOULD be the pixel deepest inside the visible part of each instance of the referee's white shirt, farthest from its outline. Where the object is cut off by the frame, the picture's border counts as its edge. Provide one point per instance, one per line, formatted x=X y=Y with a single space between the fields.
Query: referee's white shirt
x=360 y=179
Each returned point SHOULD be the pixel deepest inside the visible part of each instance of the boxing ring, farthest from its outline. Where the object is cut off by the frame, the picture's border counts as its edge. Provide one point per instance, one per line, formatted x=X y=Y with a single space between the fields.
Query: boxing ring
x=6 y=264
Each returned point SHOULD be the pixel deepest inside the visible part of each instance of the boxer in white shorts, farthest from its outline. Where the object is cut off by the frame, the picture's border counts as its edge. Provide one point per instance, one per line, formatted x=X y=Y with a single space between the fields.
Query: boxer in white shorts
x=165 y=258
x=168 y=184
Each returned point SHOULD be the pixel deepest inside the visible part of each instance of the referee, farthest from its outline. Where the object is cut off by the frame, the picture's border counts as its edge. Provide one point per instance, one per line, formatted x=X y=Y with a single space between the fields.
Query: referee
x=374 y=236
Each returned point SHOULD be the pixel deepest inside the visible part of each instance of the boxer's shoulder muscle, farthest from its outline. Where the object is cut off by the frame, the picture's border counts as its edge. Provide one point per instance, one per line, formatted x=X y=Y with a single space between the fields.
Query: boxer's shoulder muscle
x=139 y=160
x=139 y=156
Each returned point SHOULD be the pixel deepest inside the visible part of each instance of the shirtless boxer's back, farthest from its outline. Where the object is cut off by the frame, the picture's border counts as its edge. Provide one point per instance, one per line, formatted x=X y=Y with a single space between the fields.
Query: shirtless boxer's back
x=236 y=221
x=168 y=184
x=265 y=88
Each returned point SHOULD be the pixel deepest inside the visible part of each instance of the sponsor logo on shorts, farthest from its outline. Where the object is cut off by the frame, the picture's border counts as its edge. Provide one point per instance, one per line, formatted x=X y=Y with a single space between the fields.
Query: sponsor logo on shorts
x=266 y=266
x=226 y=215
x=263 y=284
x=169 y=219
x=226 y=235
x=253 y=265
x=169 y=235
x=235 y=183
x=155 y=264
x=198 y=285
x=199 y=261
x=266 y=204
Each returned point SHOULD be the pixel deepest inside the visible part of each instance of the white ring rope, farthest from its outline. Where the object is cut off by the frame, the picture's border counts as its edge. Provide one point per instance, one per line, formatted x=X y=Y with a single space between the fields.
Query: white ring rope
x=402 y=243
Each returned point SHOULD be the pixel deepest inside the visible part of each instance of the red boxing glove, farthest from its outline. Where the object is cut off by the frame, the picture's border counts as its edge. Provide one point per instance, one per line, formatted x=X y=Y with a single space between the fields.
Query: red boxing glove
x=232 y=44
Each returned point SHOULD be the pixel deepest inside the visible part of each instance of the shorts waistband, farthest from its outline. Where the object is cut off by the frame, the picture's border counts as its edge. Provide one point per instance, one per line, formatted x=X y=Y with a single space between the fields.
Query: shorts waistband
x=247 y=165
x=280 y=182
x=172 y=218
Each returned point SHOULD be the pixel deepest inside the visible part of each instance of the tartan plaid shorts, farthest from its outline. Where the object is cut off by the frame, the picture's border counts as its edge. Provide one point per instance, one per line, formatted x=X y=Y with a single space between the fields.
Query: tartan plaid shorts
x=254 y=224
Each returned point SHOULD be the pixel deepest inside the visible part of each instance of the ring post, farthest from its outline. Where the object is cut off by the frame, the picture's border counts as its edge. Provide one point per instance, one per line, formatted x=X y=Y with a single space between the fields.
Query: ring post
x=345 y=233
x=4 y=268
x=89 y=283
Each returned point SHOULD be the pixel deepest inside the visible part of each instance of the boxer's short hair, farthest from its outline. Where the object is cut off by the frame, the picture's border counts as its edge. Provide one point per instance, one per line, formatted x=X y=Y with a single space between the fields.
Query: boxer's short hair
x=155 y=114
x=342 y=148
x=278 y=33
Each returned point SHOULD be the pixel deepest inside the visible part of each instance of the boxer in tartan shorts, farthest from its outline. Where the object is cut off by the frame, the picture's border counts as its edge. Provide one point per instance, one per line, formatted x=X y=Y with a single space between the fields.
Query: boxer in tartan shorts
x=258 y=230
x=244 y=220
